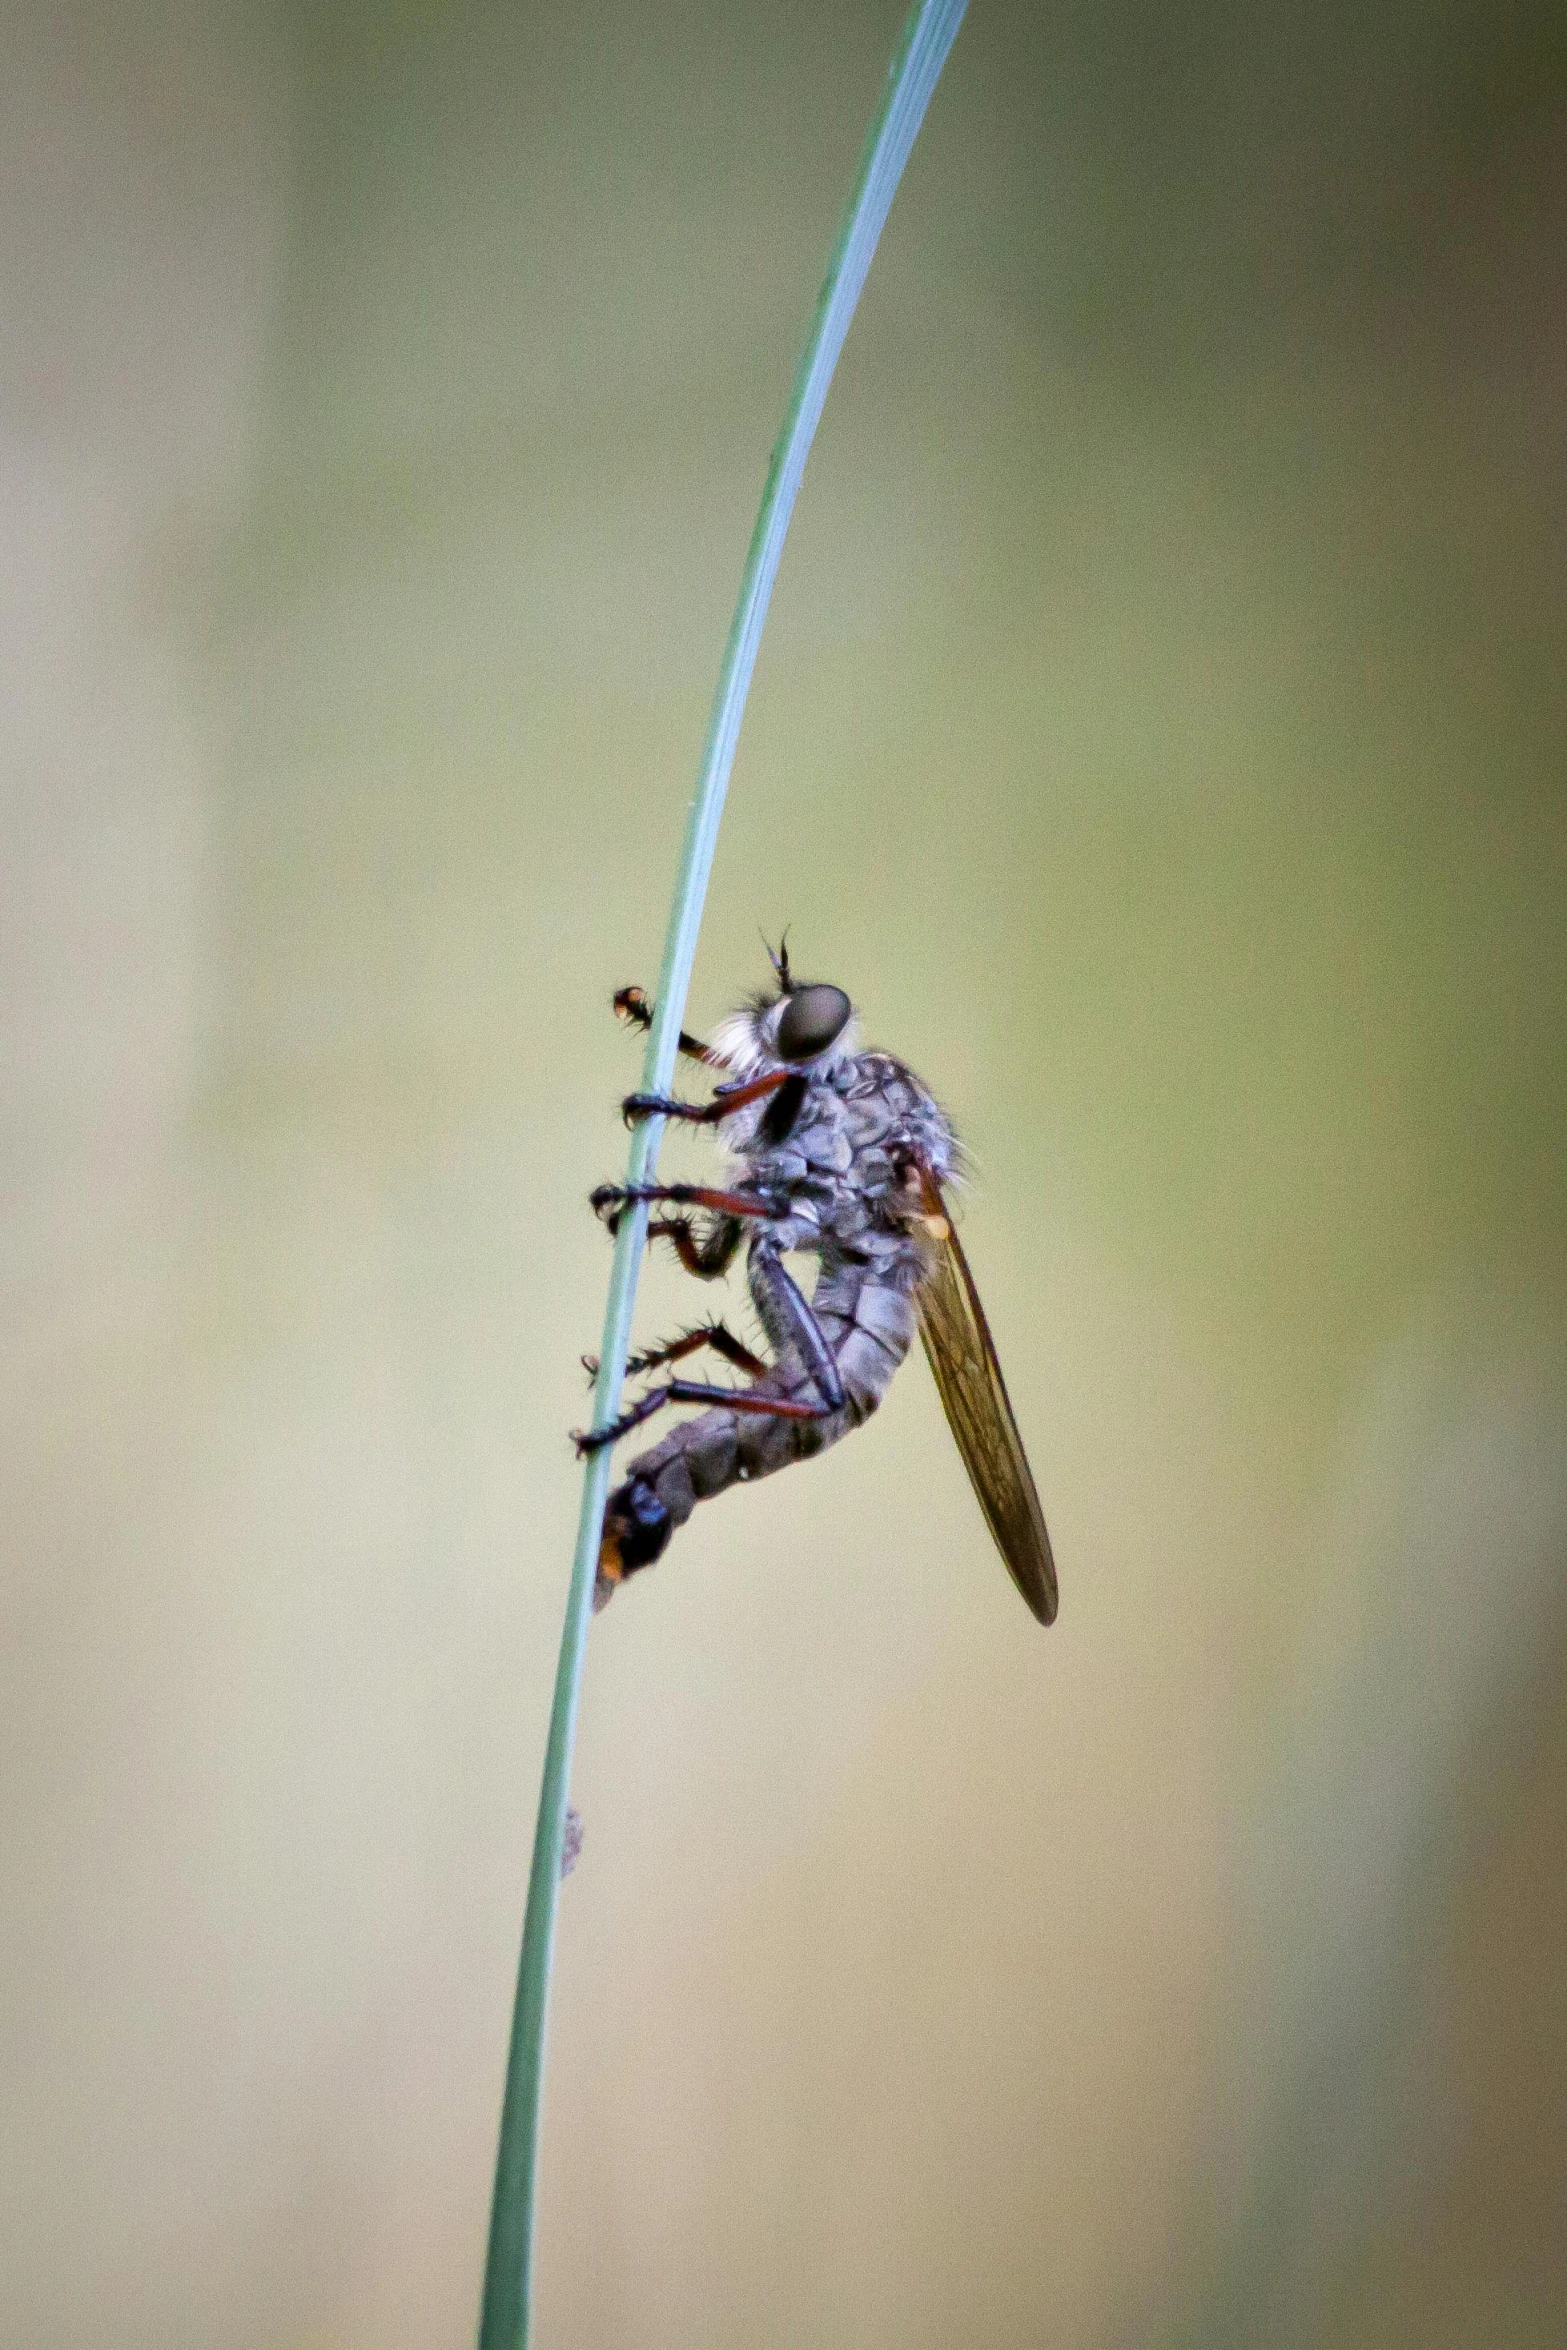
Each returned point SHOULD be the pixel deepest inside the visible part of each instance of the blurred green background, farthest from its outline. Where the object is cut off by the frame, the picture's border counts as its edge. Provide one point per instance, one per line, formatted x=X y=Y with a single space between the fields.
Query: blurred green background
x=1160 y=731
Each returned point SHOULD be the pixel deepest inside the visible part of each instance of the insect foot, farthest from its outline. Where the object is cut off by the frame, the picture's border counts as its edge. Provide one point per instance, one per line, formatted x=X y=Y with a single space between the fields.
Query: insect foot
x=608 y=1202
x=638 y=1106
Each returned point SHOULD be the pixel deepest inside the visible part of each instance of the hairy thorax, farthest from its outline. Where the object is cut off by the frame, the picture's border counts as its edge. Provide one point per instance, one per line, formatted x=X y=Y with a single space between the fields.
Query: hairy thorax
x=841 y=1164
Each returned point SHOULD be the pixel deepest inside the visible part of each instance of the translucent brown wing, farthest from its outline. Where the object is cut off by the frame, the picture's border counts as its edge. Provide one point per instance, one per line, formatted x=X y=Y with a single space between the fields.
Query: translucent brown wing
x=974 y=1395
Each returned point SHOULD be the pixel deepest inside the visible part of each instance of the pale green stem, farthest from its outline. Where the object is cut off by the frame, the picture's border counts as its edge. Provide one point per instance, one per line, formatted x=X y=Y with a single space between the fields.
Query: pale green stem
x=916 y=65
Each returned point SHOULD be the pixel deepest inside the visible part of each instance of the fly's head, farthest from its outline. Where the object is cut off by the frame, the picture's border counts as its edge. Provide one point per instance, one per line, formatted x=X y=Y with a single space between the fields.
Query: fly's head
x=798 y=1024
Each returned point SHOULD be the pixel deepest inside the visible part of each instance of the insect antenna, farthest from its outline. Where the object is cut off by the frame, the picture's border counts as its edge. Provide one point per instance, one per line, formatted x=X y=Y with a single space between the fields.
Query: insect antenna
x=780 y=962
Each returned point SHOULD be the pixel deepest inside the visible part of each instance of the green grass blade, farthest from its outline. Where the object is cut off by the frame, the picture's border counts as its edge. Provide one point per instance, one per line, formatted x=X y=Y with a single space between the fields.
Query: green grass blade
x=911 y=77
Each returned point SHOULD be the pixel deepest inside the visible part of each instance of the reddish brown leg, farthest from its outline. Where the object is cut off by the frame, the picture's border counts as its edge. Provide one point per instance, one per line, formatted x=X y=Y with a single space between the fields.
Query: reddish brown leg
x=723 y=1105
x=612 y=1199
x=631 y=1004
x=772 y=1407
x=707 y=1258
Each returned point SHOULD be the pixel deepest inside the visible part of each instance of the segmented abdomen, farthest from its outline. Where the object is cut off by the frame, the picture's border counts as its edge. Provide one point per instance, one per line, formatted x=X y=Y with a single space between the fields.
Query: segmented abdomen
x=867 y=1319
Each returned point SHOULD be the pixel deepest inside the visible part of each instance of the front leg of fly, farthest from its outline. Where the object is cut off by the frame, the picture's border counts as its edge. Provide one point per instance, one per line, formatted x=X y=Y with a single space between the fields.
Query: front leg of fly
x=726 y=1103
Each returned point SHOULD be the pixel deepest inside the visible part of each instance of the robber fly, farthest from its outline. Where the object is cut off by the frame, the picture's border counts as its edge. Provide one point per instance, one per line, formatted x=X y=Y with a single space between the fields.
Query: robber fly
x=841 y=1154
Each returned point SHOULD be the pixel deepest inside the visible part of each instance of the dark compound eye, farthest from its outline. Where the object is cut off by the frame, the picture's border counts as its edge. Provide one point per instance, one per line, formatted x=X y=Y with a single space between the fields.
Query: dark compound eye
x=813 y=1018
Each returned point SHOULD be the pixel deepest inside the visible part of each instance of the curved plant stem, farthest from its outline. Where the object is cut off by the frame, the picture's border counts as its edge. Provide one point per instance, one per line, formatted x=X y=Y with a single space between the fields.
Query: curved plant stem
x=911 y=77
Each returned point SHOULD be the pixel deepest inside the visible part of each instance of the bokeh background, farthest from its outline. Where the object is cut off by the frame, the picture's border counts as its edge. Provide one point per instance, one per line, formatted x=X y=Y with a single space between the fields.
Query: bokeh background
x=1160 y=730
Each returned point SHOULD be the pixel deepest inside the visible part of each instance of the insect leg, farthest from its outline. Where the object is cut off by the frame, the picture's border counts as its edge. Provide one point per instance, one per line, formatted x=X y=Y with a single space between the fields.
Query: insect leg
x=788 y=1317
x=723 y=1105
x=612 y=1199
x=714 y=1334
x=707 y=1258
x=631 y=1004
x=707 y=1255
x=733 y=1399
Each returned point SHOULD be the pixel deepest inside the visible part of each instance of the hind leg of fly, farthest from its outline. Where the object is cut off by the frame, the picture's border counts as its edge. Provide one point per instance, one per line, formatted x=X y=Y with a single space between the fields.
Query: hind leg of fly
x=733 y=1399
x=790 y=1322
x=800 y=1330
